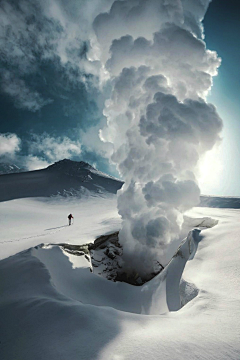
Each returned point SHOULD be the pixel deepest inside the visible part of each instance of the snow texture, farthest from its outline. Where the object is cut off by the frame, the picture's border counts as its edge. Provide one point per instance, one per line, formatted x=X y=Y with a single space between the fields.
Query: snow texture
x=53 y=307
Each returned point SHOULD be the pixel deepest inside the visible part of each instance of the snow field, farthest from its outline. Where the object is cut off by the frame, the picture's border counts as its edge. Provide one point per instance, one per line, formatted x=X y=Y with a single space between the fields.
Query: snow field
x=52 y=307
x=28 y=222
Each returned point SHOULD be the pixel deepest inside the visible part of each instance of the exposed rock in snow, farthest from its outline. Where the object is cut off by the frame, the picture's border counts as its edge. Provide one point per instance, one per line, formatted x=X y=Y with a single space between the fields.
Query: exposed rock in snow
x=106 y=252
x=76 y=168
x=106 y=255
x=49 y=296
x=205 y=222
x=6 y=168
x=106 y=259
x=187 y=292
x=103 y=258
x=70 y=167
x=156 y=293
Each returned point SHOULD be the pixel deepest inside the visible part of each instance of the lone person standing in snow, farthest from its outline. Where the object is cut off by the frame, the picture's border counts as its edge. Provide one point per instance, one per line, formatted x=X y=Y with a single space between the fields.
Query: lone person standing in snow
x=70 y=217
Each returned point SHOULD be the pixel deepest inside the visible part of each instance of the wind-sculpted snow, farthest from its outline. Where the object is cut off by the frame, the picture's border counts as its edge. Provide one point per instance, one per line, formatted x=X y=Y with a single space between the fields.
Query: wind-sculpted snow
x=74 y=273
x=71 y=276
x=158 y=119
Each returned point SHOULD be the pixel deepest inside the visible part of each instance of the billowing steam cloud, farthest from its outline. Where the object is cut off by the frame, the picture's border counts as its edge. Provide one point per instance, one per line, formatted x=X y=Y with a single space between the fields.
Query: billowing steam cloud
x=158 y=119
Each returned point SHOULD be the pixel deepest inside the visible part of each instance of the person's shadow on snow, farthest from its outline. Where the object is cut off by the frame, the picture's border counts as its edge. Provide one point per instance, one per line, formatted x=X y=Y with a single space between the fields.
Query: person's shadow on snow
x=59 y=227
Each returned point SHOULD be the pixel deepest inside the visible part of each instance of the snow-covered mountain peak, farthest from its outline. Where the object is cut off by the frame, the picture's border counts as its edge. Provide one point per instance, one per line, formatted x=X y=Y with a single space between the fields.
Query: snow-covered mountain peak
x=64 y=178
x=67 y=165
x=78 y=169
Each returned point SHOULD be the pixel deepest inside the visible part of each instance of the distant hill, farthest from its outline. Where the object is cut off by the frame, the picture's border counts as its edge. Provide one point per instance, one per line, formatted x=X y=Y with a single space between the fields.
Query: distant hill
x=65 y=177
x=220 y=202
x=72 y=178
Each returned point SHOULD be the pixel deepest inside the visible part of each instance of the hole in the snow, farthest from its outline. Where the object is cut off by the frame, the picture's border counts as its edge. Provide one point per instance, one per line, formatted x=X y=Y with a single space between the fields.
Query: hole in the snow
x=106 y=260
x=69 y=268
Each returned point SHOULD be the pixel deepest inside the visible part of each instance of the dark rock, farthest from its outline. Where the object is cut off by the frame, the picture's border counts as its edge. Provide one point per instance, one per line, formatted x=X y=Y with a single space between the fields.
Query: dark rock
x=111 y=266
x=105 y=256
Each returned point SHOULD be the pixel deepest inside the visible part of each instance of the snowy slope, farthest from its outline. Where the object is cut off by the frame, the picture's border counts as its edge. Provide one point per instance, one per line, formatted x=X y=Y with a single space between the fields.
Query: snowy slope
x=29 y=222
x=53 y=307
x=65 y=177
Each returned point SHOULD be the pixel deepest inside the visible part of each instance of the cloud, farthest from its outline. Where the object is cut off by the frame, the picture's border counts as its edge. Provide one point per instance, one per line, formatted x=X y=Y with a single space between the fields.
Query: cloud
x=23 y=96
x=34 y=34
x=158 y=72
x=34 y=163
x=128 y=17
x=142 y=18
x=24 y=34
x=174 y=52
x=191 y=121
x=9 y=145
x=91 y=140
x=53 y=148
x=43 y=150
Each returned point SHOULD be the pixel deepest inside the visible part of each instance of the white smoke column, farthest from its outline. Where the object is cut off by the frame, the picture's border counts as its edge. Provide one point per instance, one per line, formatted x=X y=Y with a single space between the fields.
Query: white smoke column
x=158 y=119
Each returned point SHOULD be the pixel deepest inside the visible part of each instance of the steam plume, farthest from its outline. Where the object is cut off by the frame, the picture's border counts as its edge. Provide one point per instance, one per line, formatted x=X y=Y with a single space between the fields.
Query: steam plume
x=153 y=54
x=157 y=117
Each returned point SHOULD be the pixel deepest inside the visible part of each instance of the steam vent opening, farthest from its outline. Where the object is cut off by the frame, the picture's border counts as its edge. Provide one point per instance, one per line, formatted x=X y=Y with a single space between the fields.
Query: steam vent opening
x=106 y=260
x=80 y=272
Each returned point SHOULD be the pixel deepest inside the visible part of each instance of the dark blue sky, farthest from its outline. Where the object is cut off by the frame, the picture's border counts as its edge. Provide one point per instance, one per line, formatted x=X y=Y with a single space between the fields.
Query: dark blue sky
x=44 y=93
x=222 y=32
x=48 y=93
